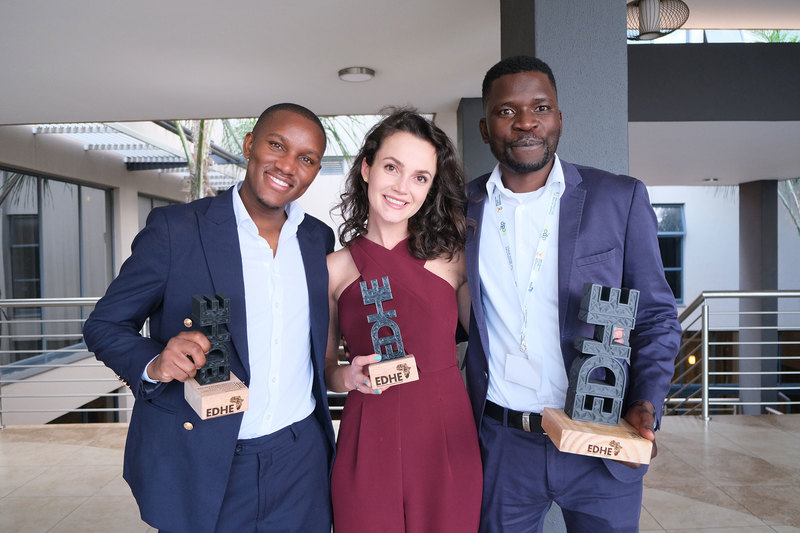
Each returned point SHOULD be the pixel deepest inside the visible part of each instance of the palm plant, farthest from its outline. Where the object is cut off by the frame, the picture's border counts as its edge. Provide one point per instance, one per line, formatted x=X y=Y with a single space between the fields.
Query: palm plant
x=197 y=158
x=788 y=190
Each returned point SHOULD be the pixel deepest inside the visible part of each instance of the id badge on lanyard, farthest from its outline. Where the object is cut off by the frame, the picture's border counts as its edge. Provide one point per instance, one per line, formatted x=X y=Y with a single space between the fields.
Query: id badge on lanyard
x=520 y=367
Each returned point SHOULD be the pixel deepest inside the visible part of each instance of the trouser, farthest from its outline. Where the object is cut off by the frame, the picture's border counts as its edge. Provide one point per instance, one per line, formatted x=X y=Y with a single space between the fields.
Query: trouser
x=524 y=472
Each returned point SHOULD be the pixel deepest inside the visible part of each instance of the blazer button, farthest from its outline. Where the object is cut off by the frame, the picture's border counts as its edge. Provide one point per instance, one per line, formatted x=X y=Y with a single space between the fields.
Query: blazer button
x=188 y=426
x=187 y=322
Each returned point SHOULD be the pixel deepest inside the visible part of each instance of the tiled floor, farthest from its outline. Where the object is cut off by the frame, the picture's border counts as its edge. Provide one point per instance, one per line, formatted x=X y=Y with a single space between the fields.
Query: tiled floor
x=741 y=474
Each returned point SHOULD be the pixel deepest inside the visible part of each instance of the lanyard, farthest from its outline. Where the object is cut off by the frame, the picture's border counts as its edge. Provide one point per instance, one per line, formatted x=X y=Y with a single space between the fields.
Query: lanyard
x=538 y=260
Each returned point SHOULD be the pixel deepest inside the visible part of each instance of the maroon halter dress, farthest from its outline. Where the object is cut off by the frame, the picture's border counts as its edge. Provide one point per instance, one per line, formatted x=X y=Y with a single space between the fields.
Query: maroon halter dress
x=407 y=460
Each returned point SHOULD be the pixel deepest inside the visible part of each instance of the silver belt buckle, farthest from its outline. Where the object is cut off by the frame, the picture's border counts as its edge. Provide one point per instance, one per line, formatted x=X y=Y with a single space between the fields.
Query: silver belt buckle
x=526 y=422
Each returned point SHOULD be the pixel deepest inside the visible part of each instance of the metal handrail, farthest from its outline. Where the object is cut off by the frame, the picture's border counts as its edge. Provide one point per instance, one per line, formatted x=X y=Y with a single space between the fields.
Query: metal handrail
x=27 y=373
x=695 y=320
x=705 y=295
x=50 y=302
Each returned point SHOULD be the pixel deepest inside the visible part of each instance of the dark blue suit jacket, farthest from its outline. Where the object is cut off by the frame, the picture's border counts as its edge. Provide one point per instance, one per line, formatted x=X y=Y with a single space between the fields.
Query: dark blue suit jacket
x=179 y=476
x=607 y=235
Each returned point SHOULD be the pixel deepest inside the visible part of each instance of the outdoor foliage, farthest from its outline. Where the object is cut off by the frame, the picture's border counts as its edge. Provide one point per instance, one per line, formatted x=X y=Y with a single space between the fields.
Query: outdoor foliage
x=776 y=36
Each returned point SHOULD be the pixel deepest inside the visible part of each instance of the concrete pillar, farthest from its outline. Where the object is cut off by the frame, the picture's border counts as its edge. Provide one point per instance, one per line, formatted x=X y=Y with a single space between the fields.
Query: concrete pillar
x=475 y=154
x=758 y=271
x=584 y=43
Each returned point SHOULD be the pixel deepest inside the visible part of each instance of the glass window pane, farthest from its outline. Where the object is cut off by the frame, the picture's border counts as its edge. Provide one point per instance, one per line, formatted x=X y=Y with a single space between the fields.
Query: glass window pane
x=674 y=280
x=24 y=229
x=25 y=262
x=60 y=240
x=95 y=241
x=670 y=218
x=145 y=205
x=23 y=194
x=26 y=289
x=670 y=251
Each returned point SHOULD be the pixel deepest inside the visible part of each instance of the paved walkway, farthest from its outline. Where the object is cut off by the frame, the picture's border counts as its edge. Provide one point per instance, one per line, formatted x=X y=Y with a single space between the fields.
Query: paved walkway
x=741 y=474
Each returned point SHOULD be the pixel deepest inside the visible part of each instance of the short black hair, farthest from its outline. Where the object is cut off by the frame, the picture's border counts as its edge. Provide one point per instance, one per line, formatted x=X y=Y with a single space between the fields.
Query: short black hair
x=515 y=65
x=292 y=108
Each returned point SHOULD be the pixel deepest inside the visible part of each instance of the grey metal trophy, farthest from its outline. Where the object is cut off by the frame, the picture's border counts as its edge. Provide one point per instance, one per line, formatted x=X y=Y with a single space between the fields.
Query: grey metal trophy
x=396 y=367
x=215 y=390
x=590 y=423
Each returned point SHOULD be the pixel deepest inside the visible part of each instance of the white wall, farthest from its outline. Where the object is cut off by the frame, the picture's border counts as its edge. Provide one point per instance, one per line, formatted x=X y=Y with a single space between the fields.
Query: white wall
x=711 y=247
x=711 y=244
x=321 y=196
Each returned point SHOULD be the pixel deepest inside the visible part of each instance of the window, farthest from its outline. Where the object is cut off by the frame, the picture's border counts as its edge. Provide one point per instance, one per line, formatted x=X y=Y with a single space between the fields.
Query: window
x=671 y=231
x=147 y=204
x=23 y=247
x=55 y=242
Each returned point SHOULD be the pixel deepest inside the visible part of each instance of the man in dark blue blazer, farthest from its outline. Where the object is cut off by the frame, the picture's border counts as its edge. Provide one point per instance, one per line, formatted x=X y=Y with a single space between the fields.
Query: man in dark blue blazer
x=266 y=469
x=526 y=287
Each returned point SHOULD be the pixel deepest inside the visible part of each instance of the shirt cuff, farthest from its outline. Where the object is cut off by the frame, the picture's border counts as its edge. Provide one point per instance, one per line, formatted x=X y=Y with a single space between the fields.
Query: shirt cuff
x=145 y=377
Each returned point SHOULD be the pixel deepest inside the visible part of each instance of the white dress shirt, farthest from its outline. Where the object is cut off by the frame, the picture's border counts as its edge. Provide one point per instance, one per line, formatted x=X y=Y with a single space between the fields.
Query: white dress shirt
x=278 y=332
x=531 y=380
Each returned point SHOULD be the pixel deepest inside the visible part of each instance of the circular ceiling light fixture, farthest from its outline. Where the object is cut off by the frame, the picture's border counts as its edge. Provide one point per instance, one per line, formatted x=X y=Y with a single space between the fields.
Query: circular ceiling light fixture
x=651 y=19
x=356 y=74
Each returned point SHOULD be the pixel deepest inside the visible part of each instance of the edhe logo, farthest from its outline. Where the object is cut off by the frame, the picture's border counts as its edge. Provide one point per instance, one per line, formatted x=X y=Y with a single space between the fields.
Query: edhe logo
x=238 y=401
x=235 y=404
x=612 y=449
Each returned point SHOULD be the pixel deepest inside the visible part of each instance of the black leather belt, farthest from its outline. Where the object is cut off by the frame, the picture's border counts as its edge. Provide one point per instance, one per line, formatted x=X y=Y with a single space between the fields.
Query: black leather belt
x=528 y=422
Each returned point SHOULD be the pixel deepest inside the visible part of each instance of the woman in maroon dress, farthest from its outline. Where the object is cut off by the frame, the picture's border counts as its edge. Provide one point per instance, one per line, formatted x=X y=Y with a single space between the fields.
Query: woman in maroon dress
x=407 y=457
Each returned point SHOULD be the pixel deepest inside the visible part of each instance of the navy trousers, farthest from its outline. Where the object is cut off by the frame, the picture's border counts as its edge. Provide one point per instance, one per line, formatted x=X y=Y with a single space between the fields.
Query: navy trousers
x=279 y=483
x=524 y=472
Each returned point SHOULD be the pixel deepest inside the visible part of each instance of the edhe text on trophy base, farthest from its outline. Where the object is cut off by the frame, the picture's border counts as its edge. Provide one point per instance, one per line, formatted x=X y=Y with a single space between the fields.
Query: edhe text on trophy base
x=591 y=424
x=396 y=367
x=215 y=390
x=393 y=372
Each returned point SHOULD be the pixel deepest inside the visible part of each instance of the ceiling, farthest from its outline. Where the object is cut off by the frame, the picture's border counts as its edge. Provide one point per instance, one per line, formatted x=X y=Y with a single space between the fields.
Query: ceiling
x=89 y=61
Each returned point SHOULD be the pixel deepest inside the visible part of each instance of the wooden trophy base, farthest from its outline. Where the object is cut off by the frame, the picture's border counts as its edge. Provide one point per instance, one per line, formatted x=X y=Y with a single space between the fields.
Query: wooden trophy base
x=216 y=399
x=620 y=443
x=393 y=372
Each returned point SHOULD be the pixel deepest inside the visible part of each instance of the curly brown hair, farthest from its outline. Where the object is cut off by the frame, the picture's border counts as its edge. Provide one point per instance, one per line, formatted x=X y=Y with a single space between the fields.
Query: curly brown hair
x=438 y=229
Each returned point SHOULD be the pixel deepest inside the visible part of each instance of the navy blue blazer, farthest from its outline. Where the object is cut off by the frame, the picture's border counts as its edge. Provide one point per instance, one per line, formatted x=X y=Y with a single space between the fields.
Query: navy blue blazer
x=179 y=475
x=607 y=235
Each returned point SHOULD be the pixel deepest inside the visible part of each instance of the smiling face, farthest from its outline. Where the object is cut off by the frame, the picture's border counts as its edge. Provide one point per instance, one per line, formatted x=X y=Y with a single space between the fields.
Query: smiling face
x=522 y=127
x=400 y=177
x=284 y=155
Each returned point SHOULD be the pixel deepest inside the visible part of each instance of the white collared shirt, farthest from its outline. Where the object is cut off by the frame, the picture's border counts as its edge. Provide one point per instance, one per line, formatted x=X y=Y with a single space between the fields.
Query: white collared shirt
x=278 y=332
x=536 y=379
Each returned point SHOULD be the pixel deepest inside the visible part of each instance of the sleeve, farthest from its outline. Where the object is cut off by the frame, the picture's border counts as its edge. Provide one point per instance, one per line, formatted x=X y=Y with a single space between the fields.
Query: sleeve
x=655 y=340
x=112 y=330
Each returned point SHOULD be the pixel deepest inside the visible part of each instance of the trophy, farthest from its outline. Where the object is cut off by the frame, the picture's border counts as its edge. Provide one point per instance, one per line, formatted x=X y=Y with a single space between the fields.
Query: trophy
x=396 y=366
x=591 y=424
x=215 y=390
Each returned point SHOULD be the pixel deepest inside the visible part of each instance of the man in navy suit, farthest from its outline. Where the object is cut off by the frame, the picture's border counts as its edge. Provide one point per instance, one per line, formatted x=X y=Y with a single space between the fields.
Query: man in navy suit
x=266 y=469
x=541 y=229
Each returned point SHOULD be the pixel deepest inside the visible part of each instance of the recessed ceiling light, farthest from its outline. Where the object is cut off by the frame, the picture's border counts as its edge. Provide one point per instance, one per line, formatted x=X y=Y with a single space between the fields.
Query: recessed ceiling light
x=356 y=74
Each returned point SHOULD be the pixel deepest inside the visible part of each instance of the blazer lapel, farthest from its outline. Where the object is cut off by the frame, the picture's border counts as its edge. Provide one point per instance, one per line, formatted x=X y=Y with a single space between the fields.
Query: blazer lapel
x=475 y=201
x=569 y=221
x=220 y=239
x=312 y=250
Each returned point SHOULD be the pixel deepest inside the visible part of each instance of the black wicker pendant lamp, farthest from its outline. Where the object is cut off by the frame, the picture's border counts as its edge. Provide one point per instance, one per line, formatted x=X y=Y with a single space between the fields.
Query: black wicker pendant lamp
x=651 y=19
